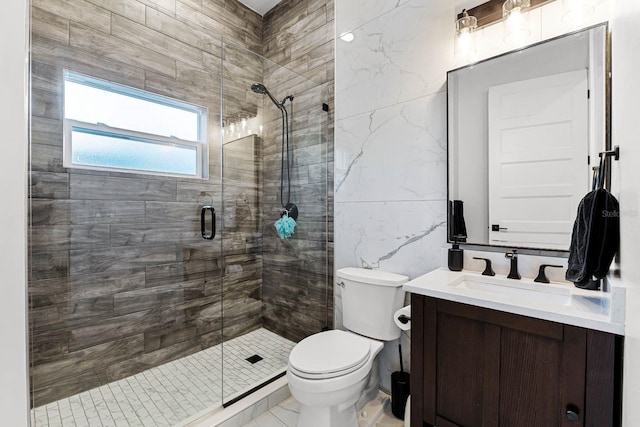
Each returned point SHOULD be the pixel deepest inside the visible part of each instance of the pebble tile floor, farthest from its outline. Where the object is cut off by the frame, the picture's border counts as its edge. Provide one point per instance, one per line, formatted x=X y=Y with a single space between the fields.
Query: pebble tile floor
x=169 y=394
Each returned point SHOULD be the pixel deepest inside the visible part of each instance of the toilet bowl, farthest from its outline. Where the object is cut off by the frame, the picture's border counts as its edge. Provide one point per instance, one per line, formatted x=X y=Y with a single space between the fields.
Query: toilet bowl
x=328 y=371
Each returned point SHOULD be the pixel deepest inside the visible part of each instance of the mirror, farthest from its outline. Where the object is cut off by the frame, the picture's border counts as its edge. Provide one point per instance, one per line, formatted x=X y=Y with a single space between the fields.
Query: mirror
x=524 y=130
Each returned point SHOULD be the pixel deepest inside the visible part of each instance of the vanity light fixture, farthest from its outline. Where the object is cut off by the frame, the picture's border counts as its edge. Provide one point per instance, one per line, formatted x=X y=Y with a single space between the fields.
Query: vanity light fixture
x=513 y=13
x=465 y=42
x=574 y=12
x=516 y=21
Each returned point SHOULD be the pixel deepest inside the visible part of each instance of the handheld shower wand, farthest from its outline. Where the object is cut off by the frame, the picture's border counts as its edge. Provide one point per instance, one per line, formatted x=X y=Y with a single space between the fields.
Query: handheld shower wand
x=290 y=208
x=262 y=90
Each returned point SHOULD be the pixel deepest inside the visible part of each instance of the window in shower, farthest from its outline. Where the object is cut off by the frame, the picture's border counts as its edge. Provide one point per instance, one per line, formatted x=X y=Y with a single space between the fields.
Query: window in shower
x=112 y=127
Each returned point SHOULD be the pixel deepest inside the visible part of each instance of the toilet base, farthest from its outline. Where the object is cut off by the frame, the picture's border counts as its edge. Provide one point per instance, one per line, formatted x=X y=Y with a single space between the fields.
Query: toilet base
x=323 y=416
x=331 y=402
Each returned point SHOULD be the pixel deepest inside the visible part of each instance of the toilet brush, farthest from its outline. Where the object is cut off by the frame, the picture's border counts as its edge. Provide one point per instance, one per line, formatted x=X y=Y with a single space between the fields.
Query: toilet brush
x=399 y=389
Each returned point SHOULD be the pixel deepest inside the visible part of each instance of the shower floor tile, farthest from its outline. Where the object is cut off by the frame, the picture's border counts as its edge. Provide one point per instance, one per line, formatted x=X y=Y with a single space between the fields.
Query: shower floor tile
x=169 y=394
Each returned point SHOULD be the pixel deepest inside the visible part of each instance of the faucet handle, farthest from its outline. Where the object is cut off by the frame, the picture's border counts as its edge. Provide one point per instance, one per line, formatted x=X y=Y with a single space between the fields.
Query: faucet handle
x=542 y=277
x=488 y=271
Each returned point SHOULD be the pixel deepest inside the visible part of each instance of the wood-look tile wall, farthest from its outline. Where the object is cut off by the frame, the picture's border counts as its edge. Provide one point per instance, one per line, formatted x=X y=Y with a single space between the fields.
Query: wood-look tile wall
x=299 y=35
x=121 y=280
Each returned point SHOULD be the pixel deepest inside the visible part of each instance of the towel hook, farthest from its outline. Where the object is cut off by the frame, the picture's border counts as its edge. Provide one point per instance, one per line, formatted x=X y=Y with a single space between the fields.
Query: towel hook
x=600 y=171
x=597 y=181
x=615 y=153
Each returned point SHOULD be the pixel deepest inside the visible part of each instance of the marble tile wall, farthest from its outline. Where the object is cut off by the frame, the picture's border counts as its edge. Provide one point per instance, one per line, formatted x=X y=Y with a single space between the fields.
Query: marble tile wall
x=120 y=280
x=390 y=139
x=390 y=152
x=299 y=35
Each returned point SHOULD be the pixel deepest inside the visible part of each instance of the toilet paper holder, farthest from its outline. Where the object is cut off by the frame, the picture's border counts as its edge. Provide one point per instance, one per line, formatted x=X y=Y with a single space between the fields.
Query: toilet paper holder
x=404 y=319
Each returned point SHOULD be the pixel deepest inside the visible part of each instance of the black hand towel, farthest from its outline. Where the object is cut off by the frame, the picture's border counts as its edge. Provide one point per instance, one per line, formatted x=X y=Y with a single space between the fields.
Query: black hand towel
x=595 y=238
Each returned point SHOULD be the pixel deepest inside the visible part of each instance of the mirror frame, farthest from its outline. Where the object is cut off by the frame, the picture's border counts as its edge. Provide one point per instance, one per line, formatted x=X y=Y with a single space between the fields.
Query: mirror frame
x=607 y=111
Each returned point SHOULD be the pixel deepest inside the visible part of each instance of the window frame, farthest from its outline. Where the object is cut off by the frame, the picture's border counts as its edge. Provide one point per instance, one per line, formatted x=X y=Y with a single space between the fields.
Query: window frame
x=70 y=125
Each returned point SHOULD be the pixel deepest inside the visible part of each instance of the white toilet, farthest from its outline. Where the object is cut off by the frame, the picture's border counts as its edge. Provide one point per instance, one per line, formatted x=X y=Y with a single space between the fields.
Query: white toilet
x=328 y=371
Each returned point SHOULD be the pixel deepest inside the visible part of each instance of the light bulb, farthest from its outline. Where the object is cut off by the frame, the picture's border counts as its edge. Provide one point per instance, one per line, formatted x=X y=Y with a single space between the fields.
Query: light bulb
x=515 y=19
x=516 y=24
x=465 y=47
x=464 y=40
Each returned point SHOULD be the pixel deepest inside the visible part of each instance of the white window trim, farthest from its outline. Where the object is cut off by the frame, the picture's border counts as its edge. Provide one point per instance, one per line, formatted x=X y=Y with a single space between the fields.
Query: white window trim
x=101 y=129
x=201 y=146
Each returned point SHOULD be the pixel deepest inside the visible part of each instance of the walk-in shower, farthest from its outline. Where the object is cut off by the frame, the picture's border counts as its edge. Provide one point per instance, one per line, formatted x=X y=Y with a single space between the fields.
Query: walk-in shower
x=135 y=318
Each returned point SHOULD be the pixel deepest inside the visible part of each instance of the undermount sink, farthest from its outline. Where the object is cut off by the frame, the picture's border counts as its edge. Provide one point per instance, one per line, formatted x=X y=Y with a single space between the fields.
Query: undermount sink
x=527 y=291
x=557 y=301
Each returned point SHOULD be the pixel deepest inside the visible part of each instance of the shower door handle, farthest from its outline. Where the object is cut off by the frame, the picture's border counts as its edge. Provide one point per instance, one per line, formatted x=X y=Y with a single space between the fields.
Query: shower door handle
x=203 y=227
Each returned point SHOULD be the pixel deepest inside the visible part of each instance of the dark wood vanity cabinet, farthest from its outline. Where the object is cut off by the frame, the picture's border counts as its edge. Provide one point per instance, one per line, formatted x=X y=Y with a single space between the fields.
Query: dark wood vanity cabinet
x=472 y=367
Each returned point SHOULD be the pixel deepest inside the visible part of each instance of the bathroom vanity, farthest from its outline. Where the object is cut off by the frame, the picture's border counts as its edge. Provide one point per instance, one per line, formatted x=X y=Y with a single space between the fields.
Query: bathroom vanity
x=538 y=355
x=496 y=351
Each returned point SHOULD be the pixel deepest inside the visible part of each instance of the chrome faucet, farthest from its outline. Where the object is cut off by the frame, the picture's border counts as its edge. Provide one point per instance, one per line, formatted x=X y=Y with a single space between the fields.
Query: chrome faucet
x=513 y=272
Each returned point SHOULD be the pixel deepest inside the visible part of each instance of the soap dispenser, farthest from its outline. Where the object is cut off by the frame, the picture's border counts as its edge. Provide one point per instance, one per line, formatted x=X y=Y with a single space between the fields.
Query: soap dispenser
x=456 y=256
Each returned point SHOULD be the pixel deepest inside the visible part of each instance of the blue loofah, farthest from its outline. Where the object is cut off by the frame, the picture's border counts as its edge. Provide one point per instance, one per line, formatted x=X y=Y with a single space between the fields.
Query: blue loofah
x=285 y=226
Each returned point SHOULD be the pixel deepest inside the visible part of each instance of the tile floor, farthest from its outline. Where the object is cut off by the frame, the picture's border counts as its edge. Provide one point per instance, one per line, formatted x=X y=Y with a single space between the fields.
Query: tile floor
x=169 y=394
x=283 y=415
x=286 y=415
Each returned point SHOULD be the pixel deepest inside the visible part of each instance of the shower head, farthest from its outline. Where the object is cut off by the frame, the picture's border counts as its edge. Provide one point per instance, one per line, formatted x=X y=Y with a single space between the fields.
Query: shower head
x=259 y=88
x=262 y=90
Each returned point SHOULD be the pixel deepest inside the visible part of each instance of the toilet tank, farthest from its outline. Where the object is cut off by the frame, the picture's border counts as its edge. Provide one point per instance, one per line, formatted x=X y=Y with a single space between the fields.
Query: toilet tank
x=369 y=300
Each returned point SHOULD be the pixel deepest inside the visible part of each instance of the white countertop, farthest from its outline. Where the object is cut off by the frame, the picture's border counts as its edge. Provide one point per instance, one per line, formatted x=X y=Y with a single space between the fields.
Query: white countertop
x=557 y=302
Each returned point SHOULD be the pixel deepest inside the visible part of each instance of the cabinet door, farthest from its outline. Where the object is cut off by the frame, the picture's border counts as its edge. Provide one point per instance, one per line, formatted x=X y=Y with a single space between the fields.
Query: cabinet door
x=467 y=371
x=541 y=377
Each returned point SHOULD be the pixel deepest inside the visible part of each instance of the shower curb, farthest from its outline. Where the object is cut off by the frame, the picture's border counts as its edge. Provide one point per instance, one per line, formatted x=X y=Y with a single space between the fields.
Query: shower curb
x=245 y=410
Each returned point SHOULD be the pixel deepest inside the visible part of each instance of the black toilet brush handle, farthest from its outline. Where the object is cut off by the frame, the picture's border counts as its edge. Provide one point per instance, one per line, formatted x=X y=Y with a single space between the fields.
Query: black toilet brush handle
x=400 y=351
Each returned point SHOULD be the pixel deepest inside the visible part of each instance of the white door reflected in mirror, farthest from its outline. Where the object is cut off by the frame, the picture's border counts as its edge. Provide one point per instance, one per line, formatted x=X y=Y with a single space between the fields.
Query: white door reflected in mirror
x=538 y=151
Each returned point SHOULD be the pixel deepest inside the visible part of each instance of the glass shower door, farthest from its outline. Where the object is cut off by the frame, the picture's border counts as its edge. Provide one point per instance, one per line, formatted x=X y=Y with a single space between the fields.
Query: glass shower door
x=274 y=289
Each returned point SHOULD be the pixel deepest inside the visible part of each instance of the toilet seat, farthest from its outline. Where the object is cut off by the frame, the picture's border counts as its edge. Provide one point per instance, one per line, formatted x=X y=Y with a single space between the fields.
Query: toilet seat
x=329 y=354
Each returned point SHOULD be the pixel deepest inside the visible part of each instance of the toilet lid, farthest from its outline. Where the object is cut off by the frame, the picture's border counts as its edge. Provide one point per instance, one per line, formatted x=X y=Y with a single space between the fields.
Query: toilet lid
x=329 y=354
